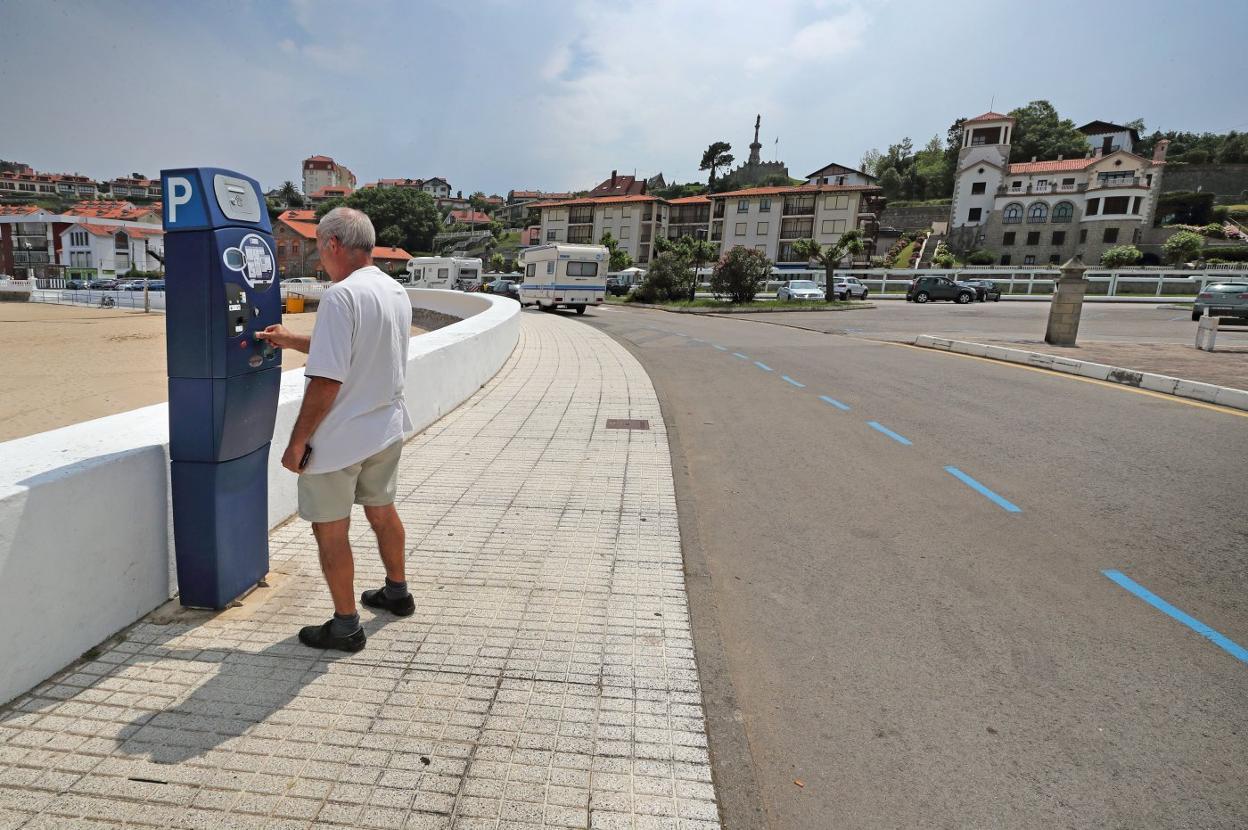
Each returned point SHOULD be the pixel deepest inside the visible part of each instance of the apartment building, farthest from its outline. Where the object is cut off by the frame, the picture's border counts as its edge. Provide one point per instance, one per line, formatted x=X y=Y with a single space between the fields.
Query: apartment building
x=90 y=251
x=689 y=216
x=322 y=171
x=773 y=219
x=437 y=187
x=839 y=174
x=515 y=210
x=32 y=239
x=29 y=184
x=634 y=220
x=135 y=186
x=1045 y=212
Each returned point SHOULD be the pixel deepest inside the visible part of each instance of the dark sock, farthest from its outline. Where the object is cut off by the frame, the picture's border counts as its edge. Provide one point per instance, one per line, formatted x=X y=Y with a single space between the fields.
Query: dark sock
x=395 y=590
x=344 y=624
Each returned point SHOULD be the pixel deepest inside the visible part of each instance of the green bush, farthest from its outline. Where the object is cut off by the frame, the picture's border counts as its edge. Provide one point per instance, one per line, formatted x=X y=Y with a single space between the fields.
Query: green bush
x=1228 y=253
x=740 y=273
x=1121 y=256
x=1184 y=207
x=1213 y=230
x=665 y=280
x=981 y=257
x=1182 y=246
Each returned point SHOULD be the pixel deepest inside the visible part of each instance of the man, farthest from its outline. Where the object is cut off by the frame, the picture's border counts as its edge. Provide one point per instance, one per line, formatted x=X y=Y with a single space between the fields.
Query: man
x=346 y=442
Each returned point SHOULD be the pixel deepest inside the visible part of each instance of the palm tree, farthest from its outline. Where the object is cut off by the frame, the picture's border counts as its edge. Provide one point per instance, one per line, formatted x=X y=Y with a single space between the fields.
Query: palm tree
x=290 y=194
x=715 y=157
x=851 y=242
x=699 y=252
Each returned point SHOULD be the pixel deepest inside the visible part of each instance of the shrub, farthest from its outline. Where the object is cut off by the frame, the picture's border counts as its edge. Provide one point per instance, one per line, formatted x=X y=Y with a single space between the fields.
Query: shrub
x=1121 y=256
x=740 y=273
x=1213 y=230
x=665 y=280
x=1229 y=253
x=1182 y=246
x=981 y=257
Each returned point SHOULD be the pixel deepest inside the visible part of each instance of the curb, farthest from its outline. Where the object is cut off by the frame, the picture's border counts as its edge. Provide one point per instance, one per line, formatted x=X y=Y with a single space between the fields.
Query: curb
x=1207 y=392
x=724 y=313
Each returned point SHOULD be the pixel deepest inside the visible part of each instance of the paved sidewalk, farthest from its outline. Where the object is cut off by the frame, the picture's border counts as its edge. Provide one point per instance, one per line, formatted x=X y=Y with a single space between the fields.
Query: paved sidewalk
x=547 y=678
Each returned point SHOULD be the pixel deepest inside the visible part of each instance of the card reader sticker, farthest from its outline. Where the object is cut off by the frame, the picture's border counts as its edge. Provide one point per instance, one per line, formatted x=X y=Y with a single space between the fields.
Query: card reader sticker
x=259 y=263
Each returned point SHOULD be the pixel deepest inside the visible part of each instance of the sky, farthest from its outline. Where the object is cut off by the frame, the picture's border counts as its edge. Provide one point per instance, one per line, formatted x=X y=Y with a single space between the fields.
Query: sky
x=555 y=94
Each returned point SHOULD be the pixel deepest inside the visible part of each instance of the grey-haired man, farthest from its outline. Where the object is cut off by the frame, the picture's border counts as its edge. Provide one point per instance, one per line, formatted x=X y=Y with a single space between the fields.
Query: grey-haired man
x=346 y=442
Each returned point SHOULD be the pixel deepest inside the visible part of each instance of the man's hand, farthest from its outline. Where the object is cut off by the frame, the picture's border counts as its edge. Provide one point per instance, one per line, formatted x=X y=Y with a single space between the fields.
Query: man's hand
x=294 y=455
x=284 y=338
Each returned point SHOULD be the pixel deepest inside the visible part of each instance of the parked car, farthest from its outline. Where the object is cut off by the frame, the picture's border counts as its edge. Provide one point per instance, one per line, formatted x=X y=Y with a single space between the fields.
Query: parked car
x=505 y=288
x=616 y=288
x=132 y=285
x=75 y=285
x=1222 y=299
x=849 y=288
x=300 y=281
x=156 y=285
x=939 y=288
x=985 y=290
x=102 y=285
x=799 y=290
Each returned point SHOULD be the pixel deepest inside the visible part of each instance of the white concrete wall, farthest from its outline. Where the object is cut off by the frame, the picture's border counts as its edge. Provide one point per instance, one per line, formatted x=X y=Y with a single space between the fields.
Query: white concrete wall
x=86 y=531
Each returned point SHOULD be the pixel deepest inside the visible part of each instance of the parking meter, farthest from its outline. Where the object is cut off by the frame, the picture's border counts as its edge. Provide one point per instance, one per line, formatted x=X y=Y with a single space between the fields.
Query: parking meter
x=221 y=287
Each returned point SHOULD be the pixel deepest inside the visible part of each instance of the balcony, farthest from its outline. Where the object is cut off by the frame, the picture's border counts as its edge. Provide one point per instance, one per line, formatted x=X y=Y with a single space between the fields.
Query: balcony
x=1117 y=181
x=31 y=258
x=799 y=207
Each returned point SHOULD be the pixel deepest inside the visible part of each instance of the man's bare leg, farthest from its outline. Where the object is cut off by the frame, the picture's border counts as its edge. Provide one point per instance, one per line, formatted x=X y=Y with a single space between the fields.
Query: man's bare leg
x=336 y=563
x=391 y=540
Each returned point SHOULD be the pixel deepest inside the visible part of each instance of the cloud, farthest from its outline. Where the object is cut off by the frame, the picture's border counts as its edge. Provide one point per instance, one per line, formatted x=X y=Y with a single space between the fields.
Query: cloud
x=832 y=37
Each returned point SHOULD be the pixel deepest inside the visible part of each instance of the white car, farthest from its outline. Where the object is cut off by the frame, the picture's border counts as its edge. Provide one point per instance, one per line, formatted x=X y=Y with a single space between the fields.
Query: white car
x=799 y=290
x=300 y=281
x=849 y=288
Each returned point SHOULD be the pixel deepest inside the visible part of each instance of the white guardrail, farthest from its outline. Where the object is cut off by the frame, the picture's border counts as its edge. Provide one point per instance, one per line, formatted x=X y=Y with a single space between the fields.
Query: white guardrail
x=86 y=533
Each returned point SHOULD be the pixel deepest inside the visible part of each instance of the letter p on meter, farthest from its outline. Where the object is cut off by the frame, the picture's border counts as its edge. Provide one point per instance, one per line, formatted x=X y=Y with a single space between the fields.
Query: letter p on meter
x=180 y=193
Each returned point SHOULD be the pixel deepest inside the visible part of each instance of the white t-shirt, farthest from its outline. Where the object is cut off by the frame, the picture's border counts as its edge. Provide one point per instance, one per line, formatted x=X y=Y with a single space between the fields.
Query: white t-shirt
x=363 y=327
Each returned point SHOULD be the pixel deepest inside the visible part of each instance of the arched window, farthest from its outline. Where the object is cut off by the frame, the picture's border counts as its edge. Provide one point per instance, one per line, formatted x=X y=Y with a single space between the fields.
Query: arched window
x=1039 y=212
x=1063 y=212
x=1013 y=214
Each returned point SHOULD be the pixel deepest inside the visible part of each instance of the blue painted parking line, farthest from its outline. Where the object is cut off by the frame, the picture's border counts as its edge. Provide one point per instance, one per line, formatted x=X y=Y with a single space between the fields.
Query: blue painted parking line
x=795 y=383
x=1218 y=639
x=878 y=427
x=721 y=348
x=738 y=354
x=763 y=366
x=1004 y=504
x=842 y=406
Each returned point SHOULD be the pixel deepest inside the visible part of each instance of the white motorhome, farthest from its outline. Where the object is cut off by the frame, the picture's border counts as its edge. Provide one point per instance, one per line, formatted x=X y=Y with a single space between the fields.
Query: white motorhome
x=453 y=273
x=572 y=276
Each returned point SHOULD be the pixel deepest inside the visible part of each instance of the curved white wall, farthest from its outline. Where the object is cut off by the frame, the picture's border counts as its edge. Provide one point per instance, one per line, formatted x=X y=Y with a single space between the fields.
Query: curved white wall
x=86 y=532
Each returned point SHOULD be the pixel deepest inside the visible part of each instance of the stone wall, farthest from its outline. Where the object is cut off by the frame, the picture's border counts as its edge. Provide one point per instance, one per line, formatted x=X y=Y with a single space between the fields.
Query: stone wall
x=1222 y=179
x=914 y=218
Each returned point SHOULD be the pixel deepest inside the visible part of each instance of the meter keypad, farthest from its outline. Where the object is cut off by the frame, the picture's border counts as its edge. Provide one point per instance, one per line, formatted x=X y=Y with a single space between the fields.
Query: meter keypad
x=238 y=311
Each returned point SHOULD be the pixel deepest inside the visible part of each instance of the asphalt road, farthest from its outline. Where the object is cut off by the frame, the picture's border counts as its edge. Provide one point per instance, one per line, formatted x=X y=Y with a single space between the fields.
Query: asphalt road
x=883 y=645
x=899 y=320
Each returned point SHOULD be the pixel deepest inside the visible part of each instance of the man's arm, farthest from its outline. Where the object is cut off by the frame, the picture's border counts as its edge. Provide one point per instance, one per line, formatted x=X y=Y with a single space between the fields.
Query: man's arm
x=284 y=338
x=317 y=400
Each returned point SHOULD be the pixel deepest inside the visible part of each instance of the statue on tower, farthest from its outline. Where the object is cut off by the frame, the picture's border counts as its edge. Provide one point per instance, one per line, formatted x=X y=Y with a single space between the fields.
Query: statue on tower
x=756 y=146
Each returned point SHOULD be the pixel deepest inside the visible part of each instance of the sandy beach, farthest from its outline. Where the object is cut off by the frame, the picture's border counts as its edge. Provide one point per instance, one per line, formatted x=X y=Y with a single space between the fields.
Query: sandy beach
x=66 y=364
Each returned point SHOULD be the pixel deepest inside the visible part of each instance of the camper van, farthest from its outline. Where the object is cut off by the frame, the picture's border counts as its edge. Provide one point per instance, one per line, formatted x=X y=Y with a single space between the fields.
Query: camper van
x=452 y=273
x=572 y=276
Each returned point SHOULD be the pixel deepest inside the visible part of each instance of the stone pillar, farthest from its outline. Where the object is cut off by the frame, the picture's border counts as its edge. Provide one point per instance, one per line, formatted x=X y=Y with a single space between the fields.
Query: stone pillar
x=1067 y=305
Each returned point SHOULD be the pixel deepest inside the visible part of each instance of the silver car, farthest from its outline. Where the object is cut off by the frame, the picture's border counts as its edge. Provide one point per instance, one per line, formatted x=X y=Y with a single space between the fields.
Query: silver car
x=799 y=290
x=1222 y=299
x=849 y=288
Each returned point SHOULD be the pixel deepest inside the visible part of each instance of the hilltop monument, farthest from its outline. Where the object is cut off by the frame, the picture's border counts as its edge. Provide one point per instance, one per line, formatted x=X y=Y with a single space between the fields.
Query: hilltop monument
x=755 y=172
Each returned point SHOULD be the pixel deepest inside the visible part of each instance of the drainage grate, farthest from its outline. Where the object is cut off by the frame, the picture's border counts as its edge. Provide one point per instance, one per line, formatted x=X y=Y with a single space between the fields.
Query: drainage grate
x=627 y=423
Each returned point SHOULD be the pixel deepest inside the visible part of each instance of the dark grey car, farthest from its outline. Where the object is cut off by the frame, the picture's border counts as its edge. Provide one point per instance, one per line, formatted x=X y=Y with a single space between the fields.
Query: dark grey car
x=1222 y=299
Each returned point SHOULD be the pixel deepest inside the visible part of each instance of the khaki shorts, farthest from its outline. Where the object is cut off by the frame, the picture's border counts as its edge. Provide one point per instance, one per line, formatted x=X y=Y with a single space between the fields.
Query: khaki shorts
x=327 y=497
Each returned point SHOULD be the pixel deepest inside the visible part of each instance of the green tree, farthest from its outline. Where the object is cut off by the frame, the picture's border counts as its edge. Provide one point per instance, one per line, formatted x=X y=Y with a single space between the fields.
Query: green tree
x=1121 y=256
x=870 y=162
x=1182 y=246
x=497 y=262
x=619 y=260
x=715 y=157
x=412 y=212
x=290 y=194
x=664 y=278
x=851 y=242
x=890 y=180
x=391 y=236
x=740 y=273
x=1040 y=132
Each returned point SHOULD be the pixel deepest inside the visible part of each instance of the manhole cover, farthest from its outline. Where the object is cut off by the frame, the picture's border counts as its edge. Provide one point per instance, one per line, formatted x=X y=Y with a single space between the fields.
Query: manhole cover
x=627 y=423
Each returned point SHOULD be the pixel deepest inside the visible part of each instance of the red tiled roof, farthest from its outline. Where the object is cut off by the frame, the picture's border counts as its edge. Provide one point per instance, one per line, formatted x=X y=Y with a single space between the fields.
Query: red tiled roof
x=622 y=186
x=1051 y=166
x=105 y=209
x=471 y=217
x=110 y=230
x=382 y=252
x=19 y=210
x=690 y=200
x=319 y=158
x=804 y=188
x=330 y=190
x=989 y=116
x=297 y=215
x=595 y=200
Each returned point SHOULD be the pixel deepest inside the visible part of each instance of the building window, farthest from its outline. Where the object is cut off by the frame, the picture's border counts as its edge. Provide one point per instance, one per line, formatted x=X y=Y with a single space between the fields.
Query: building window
x=833 y=226
x=762 y=228
x=1029 y=260
x=1039 y=212
x=978 y=187
x=550 y=236
x=626 y=232
x=1059 y=237
x=1005 y=259
x=1013 y=214
x=764 y=205
x=1007 y=238
x=739 y=230
x=973 y=214
x=1110 y=236
x=1053 y=259
x=743 y=206
x=1094 y=207
x=1033 y=237
x=1083 y=236
x=281 y=249
x=1063 y=212
x=836 y=201
x=1117 y=205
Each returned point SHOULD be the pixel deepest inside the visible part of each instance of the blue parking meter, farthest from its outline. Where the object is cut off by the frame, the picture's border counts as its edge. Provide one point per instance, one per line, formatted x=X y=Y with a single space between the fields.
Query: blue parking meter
x=221 y=287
